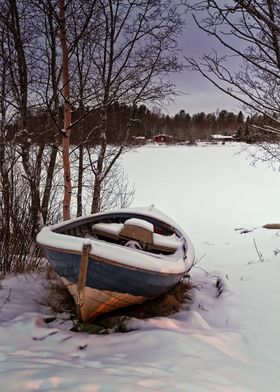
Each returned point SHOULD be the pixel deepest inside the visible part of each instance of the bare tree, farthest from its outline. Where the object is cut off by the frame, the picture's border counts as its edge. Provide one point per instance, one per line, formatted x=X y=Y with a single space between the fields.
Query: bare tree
x=74 y=20
x=248 y=31
x=82 y=74
x=5 y=162
x=248 y=69
x=25 y=194
x=132 y=59
x=48 y=86
x=15 y=18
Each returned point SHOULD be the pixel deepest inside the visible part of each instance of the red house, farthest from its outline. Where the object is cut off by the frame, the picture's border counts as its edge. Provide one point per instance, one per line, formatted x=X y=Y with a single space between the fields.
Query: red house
x=162 y=138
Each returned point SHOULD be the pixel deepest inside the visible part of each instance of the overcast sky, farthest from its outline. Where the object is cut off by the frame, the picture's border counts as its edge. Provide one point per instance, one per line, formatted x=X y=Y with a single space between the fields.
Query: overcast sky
x=199 y=95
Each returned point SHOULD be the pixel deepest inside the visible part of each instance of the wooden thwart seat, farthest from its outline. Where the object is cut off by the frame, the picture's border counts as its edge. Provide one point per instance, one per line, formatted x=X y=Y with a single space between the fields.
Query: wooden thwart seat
x=134 y=230
x=108 y=230
x=131 y=232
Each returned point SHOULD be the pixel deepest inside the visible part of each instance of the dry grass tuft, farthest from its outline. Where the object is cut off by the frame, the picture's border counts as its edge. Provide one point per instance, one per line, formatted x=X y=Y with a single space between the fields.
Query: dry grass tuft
x=58 y=298
x=165 y=305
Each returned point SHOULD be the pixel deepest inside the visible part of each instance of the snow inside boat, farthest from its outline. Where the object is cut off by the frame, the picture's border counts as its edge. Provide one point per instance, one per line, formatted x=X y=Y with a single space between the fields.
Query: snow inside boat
x=116 y=259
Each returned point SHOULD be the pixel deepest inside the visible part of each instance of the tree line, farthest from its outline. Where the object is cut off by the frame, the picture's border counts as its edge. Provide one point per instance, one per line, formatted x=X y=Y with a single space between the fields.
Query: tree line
x=146 y=123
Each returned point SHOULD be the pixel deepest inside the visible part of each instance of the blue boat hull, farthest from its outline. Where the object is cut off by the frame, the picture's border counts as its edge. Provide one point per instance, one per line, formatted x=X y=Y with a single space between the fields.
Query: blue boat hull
x=102 y=275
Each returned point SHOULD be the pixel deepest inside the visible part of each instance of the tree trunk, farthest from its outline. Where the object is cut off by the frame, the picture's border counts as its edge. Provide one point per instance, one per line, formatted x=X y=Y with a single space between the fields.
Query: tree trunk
x=48 y=185
x=80 y=181
x=67 y=114
x=95 y=207
x=81 y=154
x=6 y=209
x=96 y=196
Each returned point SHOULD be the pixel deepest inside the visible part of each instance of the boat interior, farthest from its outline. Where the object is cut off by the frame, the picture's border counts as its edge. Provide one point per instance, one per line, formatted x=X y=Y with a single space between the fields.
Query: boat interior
x=158 y=238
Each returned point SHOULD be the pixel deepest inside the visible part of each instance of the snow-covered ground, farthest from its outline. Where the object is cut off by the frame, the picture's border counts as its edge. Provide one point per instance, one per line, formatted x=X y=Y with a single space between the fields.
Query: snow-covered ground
x=226 y=343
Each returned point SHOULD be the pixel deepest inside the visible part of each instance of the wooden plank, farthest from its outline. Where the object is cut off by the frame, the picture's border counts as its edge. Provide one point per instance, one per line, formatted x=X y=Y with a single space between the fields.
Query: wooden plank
x=82 y=277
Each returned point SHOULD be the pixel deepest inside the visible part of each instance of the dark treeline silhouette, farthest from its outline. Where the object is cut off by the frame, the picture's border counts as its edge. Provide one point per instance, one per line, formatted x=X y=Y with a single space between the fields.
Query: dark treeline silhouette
x=146 y=123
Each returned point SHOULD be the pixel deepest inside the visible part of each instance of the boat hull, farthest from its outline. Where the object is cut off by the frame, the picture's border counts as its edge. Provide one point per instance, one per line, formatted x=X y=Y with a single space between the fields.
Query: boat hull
x=109 y=285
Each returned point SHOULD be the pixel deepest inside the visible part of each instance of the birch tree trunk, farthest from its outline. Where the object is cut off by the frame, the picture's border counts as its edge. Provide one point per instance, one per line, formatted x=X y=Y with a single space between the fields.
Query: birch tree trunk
x=67 y=113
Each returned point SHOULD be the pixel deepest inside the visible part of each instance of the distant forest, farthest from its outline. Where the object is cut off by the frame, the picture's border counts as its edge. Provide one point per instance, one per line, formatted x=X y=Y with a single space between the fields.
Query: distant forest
x=144 y=122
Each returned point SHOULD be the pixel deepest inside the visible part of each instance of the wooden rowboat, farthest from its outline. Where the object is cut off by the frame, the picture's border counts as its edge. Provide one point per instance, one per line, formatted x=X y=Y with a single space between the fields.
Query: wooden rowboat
x=115 y=259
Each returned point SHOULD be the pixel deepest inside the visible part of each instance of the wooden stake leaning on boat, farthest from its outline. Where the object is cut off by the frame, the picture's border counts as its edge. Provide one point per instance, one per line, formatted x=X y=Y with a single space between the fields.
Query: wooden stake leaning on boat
x=82 y=278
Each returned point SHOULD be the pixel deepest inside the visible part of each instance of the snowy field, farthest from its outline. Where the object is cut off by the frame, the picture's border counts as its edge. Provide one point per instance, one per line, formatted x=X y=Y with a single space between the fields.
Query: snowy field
x=225 y=343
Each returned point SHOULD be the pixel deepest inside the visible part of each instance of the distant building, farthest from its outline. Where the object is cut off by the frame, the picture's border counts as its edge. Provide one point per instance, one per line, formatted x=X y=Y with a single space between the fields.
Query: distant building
x=139 y=140
x=222 y=138
x=162 y=138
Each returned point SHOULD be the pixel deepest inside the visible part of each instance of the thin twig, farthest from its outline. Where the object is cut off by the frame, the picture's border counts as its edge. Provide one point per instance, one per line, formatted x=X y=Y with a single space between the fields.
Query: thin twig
x=198 y=260
x=258 y=252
